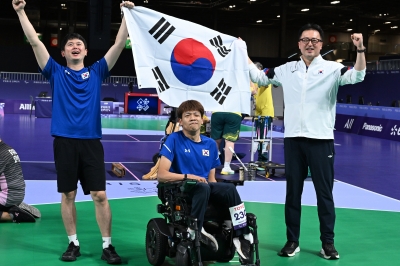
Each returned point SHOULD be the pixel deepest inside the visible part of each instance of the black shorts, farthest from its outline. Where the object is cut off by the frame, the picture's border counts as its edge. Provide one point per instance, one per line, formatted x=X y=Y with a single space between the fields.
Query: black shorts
x=79 y=159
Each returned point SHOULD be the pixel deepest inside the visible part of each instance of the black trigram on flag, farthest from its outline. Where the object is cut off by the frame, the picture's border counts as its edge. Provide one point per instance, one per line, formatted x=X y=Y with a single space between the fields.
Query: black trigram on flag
x=163 y=28
x=221 y=92
x=217 y=43
x=163 y=85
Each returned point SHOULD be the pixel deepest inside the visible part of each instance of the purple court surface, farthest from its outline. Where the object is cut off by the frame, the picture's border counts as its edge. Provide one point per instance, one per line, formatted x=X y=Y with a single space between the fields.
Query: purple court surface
x=365 y=163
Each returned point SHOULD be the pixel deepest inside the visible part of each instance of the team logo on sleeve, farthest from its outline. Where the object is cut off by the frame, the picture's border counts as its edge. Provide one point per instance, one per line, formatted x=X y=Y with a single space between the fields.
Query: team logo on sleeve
x=206 y=152
x=85 y=75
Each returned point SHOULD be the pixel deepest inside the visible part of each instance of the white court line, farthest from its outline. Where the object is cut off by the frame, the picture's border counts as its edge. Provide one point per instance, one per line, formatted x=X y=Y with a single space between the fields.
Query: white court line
x=367 y=190
x=132 y=137
x=345 y=196
x=53 y=162
x=129 y=141
x=129 y=171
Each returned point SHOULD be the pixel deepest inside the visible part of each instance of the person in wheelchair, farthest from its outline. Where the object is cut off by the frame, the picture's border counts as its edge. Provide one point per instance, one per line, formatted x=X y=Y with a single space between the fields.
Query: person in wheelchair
x=189 y=155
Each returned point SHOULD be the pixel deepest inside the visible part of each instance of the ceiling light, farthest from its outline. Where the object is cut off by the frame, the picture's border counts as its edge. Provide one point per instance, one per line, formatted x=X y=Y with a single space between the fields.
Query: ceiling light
x=335 y=2
x=394 y=27
x=351 y=19
x=278 y=16
x=349 y=29
x=230 y=6
x=259 y=21
x=380 y=15
x=387 y=22
x=369 y=25
x=305 y=9
x=333 y=23
x=252 y=0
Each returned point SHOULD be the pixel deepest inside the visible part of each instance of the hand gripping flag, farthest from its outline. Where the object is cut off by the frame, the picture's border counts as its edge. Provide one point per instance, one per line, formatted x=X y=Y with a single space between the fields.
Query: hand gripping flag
x=184 y=61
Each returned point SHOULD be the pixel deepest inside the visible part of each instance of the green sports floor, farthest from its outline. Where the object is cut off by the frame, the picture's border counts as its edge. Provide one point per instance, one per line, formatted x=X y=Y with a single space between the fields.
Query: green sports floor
x=43 y=242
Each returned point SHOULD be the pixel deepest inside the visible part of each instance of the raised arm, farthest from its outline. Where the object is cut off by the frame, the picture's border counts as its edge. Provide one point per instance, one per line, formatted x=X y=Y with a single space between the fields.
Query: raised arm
x=115 y=51
x=41 y=53
x=358 y=42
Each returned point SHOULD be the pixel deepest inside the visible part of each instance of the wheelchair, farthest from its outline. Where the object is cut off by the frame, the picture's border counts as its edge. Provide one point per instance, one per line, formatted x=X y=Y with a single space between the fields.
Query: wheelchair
x=168 y=236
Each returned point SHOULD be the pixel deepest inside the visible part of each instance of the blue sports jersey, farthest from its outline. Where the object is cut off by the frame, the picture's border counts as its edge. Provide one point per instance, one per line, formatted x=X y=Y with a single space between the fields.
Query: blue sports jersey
x=76 y=99
x=189 y=157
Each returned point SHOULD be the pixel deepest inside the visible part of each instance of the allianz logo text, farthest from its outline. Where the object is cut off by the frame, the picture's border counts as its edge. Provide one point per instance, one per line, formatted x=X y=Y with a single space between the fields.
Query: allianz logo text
x=395 y=130
x=349 y=123
x=26 y=106
x=372 y=127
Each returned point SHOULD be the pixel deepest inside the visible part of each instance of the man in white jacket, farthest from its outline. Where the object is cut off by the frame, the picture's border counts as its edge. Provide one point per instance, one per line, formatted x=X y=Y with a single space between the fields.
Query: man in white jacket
x=310 y=87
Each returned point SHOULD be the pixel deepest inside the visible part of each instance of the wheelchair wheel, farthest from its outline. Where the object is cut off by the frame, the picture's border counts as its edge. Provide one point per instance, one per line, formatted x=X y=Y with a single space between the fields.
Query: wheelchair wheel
x=156 y=245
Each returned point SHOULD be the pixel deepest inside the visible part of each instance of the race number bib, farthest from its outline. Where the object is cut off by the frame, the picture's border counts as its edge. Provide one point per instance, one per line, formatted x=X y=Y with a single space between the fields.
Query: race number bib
x=238 y=215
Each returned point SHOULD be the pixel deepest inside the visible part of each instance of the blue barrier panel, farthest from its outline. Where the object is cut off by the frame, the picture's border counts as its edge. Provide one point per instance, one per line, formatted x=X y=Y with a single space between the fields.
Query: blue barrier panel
x=372 y=121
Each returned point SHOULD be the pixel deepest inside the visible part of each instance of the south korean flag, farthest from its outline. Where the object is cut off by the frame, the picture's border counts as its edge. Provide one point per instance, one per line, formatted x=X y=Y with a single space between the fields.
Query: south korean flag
x=184 y=60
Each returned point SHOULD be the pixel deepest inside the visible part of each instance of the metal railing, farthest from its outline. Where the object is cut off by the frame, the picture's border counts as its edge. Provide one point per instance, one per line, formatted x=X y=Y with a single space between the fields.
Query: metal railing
x=40 y=77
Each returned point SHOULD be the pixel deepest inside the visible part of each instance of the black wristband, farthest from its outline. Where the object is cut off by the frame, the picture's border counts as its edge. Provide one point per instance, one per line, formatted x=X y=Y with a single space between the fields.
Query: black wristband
x=361 y=51
x=185 y=177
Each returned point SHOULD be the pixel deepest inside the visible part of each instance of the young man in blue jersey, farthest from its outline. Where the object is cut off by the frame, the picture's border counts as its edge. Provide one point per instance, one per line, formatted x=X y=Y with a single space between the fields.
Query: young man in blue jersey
x=189 y=155
x=76 y=126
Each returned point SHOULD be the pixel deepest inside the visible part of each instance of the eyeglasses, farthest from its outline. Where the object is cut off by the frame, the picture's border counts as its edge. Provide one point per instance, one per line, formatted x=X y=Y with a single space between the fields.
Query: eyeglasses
x=307 y=40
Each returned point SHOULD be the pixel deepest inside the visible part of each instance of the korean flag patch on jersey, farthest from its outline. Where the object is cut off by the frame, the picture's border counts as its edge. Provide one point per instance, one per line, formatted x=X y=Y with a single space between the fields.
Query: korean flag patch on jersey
x=206 y=153
x=85 y=75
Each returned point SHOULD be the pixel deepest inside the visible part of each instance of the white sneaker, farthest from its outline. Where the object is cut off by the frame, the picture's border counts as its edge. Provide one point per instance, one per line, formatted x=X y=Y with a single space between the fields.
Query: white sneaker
x=210 y=237
x=227 y=171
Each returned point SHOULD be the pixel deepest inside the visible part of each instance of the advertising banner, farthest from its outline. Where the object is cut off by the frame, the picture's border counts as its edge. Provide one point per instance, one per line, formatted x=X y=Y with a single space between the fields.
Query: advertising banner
x=106 y=107
x=16 y=106
x=369 y=126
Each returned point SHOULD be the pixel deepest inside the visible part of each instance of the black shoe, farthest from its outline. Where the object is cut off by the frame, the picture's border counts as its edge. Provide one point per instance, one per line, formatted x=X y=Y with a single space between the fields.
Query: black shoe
x=110 y=255
x=208 y=240
x=290 y=249
x=21 y=216
x=329 y=252
x=71 y=253
x=243 y=248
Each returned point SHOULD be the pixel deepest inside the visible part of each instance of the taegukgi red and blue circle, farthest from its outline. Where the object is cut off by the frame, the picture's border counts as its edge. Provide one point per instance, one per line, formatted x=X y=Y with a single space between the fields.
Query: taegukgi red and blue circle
x=192 y=62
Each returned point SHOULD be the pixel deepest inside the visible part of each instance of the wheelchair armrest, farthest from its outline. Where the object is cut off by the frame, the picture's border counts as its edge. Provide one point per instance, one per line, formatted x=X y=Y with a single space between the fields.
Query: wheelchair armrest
x=235 y=182
x=184 y=185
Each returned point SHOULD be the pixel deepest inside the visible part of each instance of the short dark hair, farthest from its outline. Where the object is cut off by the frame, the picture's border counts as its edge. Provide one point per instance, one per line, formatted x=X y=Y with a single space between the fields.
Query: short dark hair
x=71 y=36
x=310 y=26
x=190 y=105
x=258 y=65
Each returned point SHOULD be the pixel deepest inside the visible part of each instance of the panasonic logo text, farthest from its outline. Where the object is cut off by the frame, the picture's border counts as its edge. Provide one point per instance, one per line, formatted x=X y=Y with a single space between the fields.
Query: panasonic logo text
x=372 y=127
